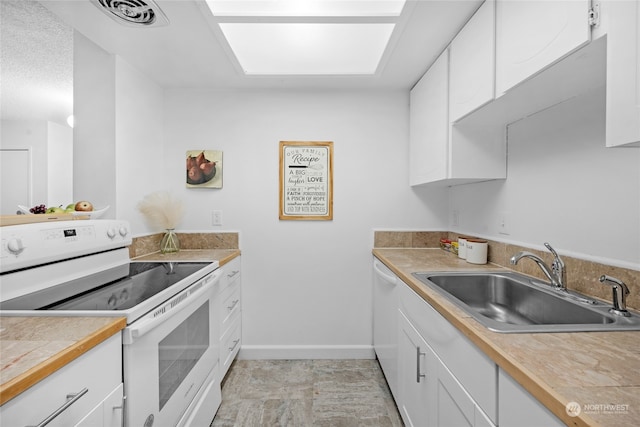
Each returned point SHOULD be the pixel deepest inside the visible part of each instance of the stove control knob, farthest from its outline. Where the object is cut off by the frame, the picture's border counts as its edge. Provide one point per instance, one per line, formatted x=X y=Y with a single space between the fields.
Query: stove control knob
x=111 y=233
x=123 y=231
x=112 y=301
x=15 y=245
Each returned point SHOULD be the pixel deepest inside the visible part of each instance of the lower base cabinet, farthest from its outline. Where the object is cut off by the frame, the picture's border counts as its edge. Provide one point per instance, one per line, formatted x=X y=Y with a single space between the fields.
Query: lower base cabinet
x=90 y=384
x=444 y=380
x=454 y=405
x=518 y=408
x=415 y=374
x=230 y=309
x=429 y=394
x=107 y=413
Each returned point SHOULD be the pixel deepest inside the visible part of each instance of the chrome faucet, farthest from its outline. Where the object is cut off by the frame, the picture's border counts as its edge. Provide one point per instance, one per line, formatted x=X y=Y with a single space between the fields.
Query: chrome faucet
x=620 y=292
x=556 y=274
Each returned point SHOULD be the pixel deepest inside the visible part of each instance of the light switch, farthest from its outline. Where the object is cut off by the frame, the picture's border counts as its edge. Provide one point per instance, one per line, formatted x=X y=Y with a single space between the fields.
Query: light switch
x=216 y=218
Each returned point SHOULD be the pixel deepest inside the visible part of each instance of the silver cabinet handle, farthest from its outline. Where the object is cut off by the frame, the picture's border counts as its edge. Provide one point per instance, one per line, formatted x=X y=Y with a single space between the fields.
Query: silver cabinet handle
x=71 y=399
x=235 y=344
x=233 y=273
x=233 y=305
x=418 y=355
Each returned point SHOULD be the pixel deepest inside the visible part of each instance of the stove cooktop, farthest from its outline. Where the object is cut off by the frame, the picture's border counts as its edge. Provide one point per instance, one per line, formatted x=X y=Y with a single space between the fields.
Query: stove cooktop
x=130 y=289
x=144 y=281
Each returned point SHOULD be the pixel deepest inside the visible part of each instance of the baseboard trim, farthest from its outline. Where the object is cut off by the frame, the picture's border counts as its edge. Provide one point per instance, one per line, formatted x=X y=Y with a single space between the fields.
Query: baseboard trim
x=292 y=352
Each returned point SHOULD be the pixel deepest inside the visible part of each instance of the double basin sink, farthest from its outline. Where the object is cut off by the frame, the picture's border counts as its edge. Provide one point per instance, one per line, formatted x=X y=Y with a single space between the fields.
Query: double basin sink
x=510 y=302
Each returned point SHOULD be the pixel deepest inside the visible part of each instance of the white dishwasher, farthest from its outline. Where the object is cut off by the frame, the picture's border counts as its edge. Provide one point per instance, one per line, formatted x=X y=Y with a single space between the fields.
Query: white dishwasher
x=385 y=322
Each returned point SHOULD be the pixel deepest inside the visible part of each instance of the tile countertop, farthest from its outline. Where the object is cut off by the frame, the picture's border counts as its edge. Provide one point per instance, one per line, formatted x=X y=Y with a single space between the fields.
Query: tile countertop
x=591 y=368
x=32 y=348
x=223 y=256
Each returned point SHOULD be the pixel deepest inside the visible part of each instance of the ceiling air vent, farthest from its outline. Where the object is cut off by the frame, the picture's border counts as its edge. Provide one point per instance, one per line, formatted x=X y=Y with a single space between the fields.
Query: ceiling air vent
x=133 y=12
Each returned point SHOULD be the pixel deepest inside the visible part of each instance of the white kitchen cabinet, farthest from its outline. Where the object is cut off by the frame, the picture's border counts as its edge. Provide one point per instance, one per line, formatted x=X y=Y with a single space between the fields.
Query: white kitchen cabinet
x=429 y=124
x=454 y=406
x=430 y=395
x=444 y=154
x=230 y=315
x=416 y=376
x=531 y=35
x=519 y=409
x=385 y=322
x=460 y=382
x=472 y=63
x=107 y=413
x=99 y=371
x=473 y=369
x=621 y=21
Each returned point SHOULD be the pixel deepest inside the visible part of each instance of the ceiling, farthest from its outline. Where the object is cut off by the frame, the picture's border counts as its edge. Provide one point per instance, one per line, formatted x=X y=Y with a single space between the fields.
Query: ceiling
x=190 y=52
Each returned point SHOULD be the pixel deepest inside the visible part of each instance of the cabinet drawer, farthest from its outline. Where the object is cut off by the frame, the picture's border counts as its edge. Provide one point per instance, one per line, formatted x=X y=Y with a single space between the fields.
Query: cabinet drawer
x=232 y=269
x=99 y=371
x=230 y=346
x=230 y=304
x=472 y=368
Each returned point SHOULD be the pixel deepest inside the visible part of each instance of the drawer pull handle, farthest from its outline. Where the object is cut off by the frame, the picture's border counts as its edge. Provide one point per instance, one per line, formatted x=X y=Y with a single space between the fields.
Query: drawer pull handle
x=233 y=305
x=418 y=355
x=71 y=399
x=233 y=273
x=235 y=344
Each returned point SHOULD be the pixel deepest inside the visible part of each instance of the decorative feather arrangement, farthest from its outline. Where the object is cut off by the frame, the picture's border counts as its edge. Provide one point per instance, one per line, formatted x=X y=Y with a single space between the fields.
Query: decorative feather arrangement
x=161 y=210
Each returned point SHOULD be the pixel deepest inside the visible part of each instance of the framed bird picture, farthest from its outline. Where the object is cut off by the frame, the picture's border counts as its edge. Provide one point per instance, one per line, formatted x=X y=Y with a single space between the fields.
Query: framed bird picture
x=204 y=169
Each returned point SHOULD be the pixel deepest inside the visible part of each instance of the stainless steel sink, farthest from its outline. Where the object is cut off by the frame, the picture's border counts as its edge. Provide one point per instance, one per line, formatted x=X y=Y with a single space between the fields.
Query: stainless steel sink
x=512 y=302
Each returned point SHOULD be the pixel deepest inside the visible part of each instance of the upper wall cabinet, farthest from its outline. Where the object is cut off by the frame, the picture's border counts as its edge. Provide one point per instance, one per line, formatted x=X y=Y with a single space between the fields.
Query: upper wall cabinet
x=429 y=124
x=621 y=21
x=531 y=35
x=472 y=63
x=441 y=153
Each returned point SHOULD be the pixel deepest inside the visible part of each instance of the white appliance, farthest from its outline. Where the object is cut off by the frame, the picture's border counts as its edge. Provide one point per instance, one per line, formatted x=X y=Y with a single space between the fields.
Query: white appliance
x=82 y=268
x=385 y=322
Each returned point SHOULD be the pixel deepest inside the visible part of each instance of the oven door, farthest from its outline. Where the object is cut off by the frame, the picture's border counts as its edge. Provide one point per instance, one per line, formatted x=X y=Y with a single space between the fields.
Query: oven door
x=169 y=353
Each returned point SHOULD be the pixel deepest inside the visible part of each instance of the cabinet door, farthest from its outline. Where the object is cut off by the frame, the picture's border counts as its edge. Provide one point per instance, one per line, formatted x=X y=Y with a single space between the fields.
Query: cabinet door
x=532 y=34
x=454 y=407
x=518 y=408
x=623 y=73
x=107 y=413
x=429 y=124
x=472 y=63
x=416 y=375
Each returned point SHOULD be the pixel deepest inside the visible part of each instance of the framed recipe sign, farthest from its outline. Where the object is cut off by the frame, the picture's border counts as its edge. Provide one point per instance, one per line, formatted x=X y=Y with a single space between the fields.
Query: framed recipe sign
x=306 y=180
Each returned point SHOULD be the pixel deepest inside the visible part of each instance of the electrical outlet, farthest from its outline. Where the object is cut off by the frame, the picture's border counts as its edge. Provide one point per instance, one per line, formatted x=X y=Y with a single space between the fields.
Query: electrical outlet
x=455 y=218
x=503 y=223
x=216 y=218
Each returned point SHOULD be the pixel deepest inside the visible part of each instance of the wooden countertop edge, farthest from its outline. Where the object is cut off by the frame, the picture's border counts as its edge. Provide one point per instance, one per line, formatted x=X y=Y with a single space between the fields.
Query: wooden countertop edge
x=22 y=382
x=229 y=257
x=538 y=388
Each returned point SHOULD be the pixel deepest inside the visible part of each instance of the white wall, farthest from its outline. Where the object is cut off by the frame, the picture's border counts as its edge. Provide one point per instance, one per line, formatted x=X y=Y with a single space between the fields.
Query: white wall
x=305 y=283
x=118 y=149
x=138 y=136
x=94 y=109
x=563 y=186
x=60 y=165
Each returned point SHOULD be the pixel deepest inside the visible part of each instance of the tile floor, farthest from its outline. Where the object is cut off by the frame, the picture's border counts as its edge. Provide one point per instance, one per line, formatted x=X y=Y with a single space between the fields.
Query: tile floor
x=301 y=393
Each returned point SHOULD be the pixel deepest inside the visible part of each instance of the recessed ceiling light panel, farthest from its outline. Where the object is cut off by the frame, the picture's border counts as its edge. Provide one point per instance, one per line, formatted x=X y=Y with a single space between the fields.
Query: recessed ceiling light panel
x=309 y=48
x=313 y=8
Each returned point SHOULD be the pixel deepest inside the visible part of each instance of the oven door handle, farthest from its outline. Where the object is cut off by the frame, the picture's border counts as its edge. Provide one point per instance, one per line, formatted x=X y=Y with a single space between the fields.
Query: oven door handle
x=170 y=308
